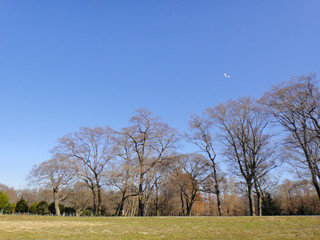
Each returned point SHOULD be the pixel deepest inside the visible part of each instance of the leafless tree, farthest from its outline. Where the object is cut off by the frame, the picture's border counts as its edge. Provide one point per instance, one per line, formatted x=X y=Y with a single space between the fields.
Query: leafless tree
x=201 y=135
x=79 y=198
x=92 y=149
x=123 y=174
x=55 y=173
x=296 y=107
x=158 y=177
x=11 y=192
x=33 y=195
x=247 y=145
x=152 y=141
x=191 y=170
x=233 y=204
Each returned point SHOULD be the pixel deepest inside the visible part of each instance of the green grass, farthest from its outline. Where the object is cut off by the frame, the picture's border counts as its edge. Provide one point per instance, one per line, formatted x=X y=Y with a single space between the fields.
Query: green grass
x=36 y=227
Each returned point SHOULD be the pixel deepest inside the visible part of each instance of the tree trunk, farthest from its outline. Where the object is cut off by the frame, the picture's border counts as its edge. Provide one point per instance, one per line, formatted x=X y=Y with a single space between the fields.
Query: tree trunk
x=121 y=205
x=219 y=203
x=56 y=203
x=316 y=185
x=216 y=186
x=259 y=198
x=314 y=178
x=157 y=201
x=95 y=210
x=77 y=213
x=189 y=208
x=251 y=200
x=182 y=203
x=140 y=198
x=56 y=206
x=188 y=211
x=259 y=203
x=99 y=200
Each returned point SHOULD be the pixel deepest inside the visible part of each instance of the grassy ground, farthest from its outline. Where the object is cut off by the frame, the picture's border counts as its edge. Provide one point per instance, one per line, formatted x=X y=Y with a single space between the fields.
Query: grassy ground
x=36 y=227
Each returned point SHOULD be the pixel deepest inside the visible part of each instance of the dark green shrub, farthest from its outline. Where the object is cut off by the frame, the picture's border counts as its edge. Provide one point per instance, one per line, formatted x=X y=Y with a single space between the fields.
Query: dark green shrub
x=52 y=209
x=269 y=206
x=33 y=208
x=43 y=208
x=22 y=206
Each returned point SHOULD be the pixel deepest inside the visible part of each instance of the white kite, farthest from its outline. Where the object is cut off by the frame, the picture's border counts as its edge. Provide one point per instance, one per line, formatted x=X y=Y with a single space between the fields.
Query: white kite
x=227 y=76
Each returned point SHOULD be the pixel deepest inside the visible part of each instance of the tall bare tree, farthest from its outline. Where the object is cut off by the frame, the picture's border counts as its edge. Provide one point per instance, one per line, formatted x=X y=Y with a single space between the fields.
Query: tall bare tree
x=152 y=141
x=247 y=145
x=202 y=137
x=191 y=170
x=92 y=148
x=296 y=107
x=55 y=173
x=158 y=178
x=123 y=174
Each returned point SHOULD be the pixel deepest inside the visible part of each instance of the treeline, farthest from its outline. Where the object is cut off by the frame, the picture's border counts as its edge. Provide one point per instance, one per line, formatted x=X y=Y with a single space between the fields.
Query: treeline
x=138 y=170
x=288 y=198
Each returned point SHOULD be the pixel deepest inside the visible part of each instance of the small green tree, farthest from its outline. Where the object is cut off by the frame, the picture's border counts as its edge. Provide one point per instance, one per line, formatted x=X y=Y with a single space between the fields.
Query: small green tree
x=43 y=208
x=33 y=208
x=10 y=208
x=269 y=206
x=4 y=200
x=22 y=206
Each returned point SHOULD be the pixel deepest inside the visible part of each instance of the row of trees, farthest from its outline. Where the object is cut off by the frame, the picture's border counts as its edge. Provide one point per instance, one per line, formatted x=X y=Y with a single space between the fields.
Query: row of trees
x=139 y=167
x=287 y=198
x=38 y=208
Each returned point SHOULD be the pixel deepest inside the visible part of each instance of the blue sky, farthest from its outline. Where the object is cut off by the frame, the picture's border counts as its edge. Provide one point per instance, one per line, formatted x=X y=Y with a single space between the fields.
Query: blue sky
x=67 y=64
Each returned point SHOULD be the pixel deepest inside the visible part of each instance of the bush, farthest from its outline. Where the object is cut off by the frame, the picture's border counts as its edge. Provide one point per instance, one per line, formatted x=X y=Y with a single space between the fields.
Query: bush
x=10 y=208
x=270 y=207
x=4 y=200
x=69 y=211
x=43 y=208
x=87 y=213
x=22 y=206
x=305 y=210
x=33 y=208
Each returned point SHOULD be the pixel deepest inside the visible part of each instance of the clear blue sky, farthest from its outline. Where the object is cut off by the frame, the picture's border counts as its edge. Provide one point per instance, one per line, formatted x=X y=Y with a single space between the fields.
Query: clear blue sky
x=67 y=64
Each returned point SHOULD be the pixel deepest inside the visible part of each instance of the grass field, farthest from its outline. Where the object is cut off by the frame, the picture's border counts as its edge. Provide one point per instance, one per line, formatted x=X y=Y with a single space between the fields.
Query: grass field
x=37 y=227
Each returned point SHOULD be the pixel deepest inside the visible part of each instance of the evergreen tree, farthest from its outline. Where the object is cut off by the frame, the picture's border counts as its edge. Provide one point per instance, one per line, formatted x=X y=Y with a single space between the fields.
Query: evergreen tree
x=10 y=208
x=269 y=206
x=22 y=206
x=43 y=208
x=33 y=208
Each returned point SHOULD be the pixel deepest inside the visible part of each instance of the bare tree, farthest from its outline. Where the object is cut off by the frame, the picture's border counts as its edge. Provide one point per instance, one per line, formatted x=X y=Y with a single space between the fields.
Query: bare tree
x=201 y=136
x=79 y=198
x=247 y=145
x=158 y=177
x=92 y=148
x=11 y=192
x=55 y=173
x=123 y=175
x=191 y=170
x=296 y=107
x=152 y=141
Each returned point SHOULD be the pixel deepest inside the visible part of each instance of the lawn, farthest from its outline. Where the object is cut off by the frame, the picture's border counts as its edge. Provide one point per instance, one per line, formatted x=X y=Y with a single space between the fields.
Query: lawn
x=37 y=227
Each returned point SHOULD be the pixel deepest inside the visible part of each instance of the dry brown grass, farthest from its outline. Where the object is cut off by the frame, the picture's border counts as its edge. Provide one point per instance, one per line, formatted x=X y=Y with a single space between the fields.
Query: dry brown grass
x=36 y=227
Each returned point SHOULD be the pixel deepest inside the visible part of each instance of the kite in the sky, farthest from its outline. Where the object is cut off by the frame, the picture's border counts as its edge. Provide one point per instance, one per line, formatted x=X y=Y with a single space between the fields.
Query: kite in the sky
x=227 y=76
